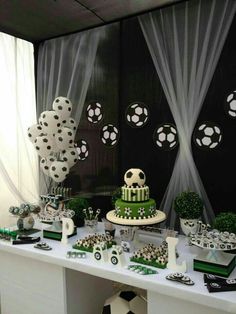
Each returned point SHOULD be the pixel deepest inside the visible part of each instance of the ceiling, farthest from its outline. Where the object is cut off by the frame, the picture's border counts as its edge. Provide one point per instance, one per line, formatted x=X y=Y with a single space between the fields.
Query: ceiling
x=37 y=20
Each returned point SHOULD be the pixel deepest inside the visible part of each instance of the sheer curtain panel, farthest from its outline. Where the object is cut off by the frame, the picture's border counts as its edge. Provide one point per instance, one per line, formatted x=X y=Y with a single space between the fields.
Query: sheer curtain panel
x=65 y=66
x=185 y=42
x=18 y=161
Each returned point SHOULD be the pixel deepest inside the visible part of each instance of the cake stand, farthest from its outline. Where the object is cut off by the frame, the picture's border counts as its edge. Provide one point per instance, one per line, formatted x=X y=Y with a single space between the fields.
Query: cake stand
x=132 y=225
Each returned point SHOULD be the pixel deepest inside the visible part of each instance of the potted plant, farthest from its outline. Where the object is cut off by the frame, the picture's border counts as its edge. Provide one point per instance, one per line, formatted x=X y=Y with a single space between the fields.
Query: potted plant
x=78 y=204
x=189 y=207
x=225 y=221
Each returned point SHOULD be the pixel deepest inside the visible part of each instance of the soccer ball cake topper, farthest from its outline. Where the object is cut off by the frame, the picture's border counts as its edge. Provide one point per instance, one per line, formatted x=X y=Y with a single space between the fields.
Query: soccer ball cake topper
x=137 y=114
x=134 y=177
x=207 y=135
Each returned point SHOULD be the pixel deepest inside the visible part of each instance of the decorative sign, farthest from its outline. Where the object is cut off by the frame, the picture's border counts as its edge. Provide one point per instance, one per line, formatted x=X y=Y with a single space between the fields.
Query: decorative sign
x=109 y=135
x=94 y=112
x=230 y=104
x=137 y=114
x=165 y=136
x=207 y=135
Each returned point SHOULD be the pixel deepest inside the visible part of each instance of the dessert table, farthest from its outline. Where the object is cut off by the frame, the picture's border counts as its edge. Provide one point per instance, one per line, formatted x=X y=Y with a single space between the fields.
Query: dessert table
x=35 y=282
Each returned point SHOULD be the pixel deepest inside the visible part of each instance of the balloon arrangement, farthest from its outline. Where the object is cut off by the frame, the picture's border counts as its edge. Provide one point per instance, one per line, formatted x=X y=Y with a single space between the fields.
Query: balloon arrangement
x=53 y=139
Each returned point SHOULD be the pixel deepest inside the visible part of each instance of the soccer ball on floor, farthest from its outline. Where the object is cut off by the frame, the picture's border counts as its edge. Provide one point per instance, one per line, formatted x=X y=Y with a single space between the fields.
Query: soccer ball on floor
x=82 y=149
x=109 y=135
x=165 y=136
x=137 y=115
x=94 y=112
x=208 y=135
x=125 y=302
x=230 y=104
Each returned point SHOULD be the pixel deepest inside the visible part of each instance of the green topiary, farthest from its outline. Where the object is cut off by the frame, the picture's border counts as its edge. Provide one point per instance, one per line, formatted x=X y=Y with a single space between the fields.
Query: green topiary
x=188 y=205
x=225 y=222
x=77 y=204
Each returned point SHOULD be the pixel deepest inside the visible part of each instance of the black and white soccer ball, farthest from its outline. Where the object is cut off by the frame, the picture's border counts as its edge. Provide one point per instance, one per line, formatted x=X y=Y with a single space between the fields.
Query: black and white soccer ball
x=43 y=145
x=230 y=104
x=64 y=138
x=34 y=131
x=70 y=123
x=94 y=112
x=109 y=135
x=50 y=121
x=125 y=302
x=137 y=114
x=59 y=170
x=165 y=136
x=135 y=177
x=45 y=164
x=207 y=135
x=63 y=107
x=82 y=149
x=70 y=155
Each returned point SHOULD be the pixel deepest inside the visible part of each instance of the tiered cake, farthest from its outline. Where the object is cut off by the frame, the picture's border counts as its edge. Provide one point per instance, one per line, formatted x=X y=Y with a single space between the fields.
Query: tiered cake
x=135 y=202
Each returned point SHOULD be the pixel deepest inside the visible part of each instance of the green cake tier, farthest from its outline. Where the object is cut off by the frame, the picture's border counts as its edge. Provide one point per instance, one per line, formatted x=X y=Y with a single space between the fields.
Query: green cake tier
x=139 y=194
x=139 y=210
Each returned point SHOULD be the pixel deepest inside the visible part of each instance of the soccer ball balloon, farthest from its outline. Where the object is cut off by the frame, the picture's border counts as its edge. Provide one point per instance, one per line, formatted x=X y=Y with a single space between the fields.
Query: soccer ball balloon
x=82 y=149
x=230 y=104
x=64 y=138
x=208 y=135
x=63 y=107
x=70 y=123
x=34 y=131
x=137 y=115
x=125 y=302
x=45 y=164
x=43 y=145
x=94 y=112
x=50 y=121
x=59 y=170
x=70 y=156
x=135 y=177
x=109 y=135
x=166 y=137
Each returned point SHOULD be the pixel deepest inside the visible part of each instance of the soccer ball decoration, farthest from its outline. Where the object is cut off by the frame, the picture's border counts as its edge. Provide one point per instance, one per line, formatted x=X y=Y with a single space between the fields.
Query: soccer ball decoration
x=137 y=115
x=63 y=107
x=109 y=135
x=53 y=139
x=230 y=104
x=125 y=302
x=134 y=177
x=208 y=135
x=94 y=112
x=82 y=149
x=165 y=136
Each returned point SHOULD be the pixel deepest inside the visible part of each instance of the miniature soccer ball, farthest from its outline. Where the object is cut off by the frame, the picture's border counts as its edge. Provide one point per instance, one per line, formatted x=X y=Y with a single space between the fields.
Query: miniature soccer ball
x=125 y=302
x=208 y=135
x=109 y=135
x=82 y=149
x=230 y=104
x=63 y=106
x=166 y=137
x=134 y=177
x=137 y=115
x=94 y=112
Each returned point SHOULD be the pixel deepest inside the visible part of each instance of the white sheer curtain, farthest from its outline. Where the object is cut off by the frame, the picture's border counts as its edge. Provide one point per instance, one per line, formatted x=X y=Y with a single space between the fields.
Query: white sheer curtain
x=65 y=66
x=18 y=161
x=185 y=42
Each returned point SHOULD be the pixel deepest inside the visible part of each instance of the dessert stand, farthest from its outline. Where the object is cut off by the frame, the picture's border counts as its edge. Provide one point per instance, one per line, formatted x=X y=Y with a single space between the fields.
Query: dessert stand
x=132 y=225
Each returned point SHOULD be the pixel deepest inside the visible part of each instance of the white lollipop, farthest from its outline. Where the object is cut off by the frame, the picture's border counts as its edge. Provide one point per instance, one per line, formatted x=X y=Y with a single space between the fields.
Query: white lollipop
x=34 y=131
x=63 y=106
x=45 y=164
x=51 y=121
x=64 y=138
x=59 y=170
x=43 y=145
x=70 y=156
